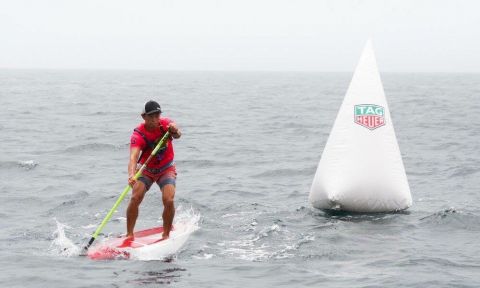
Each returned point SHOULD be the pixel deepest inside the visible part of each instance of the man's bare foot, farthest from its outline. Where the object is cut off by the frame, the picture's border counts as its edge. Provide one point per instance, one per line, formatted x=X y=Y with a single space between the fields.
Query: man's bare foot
x=165 y=237
x=127 y=242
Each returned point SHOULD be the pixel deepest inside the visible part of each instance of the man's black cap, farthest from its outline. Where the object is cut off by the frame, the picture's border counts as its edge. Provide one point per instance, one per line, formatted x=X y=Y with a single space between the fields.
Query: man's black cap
x=151 y=107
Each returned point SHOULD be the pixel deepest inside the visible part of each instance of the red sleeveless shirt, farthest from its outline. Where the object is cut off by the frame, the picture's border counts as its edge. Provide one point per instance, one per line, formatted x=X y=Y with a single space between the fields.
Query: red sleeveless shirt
x=164 y=156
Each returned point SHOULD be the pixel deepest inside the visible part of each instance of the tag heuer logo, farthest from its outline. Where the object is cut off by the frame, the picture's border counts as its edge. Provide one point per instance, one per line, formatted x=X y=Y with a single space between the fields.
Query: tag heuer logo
x=369 y=115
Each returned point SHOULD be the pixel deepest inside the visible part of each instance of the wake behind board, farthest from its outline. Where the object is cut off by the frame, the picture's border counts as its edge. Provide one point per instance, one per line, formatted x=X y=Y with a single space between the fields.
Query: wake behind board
x=146 y=245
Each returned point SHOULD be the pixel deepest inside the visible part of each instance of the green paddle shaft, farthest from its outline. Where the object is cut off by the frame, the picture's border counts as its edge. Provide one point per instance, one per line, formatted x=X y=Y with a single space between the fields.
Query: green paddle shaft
x=125 y=191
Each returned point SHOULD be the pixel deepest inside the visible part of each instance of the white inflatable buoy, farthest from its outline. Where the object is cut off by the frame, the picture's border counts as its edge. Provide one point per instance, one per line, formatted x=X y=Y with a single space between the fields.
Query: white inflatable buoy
x=361 y=169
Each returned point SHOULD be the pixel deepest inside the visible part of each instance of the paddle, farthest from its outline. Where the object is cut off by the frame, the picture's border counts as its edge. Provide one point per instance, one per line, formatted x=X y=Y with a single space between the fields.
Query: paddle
x=125 y=191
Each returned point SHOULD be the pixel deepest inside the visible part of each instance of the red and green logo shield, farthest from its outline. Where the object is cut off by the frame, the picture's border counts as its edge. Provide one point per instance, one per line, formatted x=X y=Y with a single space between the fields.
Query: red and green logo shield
x=369 y=115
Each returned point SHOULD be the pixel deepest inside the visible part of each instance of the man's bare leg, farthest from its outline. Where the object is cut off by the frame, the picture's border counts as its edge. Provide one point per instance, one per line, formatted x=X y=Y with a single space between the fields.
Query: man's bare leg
x=132 y=210
x=168 y=193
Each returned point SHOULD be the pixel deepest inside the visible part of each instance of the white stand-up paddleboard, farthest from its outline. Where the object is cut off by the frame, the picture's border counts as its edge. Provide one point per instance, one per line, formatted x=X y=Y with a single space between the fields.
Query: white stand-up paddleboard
x=361 y=169
x=146 y=244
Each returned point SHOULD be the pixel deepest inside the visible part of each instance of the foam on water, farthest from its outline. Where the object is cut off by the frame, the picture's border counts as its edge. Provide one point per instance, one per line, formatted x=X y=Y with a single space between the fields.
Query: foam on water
x=28 y=164
x=270 y=242
x=25 y=164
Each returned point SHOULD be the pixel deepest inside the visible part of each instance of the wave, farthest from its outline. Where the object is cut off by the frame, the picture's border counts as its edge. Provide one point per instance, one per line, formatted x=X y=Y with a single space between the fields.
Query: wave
x=99 y=113
x=205 y=163
x=427 y=261
x=64 y=206
x=237 y=192
x=441 y=214
x=285 y=172
x=452 y=218
x=26 y=235
x=445 y=145
x=25 y=165
x=464 y=171
x=287 y=252
x=263 y=246
x=95 y=147
x=263 y=243
x=79 y=195
x=196 y=163
x=357 y=216
x=157 y=277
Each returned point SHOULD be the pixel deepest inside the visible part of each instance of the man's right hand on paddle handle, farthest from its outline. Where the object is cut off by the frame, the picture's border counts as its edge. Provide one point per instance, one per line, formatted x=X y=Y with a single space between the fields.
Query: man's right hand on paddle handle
x=131 y=181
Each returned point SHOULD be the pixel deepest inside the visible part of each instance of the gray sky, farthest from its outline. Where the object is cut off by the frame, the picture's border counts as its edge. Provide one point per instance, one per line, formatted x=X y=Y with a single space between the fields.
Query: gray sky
x=408 y=35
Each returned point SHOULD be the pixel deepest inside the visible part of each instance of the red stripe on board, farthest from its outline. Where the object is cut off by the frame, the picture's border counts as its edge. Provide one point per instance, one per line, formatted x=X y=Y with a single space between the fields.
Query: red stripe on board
x=148 y=232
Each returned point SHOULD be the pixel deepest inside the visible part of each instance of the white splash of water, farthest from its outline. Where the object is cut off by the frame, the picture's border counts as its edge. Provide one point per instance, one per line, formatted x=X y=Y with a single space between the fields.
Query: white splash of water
x=90 y=226
x=205 y=256
x=61 y=245
x=187 y=217
x=29 y=164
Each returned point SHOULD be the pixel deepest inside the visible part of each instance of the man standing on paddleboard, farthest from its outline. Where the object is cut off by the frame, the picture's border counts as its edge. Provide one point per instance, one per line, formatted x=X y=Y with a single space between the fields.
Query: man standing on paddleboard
x=161 y=169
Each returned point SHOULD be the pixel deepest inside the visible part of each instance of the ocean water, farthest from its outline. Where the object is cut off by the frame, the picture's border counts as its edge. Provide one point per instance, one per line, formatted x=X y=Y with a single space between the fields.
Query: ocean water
x=250 y=146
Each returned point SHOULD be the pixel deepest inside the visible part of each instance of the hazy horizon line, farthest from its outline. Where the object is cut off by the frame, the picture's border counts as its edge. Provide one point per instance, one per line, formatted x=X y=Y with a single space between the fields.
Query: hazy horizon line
x=232 y=70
